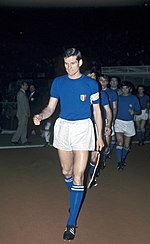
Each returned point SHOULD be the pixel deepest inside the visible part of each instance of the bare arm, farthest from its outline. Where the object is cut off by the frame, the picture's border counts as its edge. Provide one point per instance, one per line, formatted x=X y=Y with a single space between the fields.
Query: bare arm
x=109 y=120
x=114 y=112
x=46 y=112
x=99 y=123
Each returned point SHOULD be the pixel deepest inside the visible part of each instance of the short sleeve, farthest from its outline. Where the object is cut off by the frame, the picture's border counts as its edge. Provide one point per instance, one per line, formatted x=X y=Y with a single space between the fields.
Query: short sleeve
x=94 y=97
x=54 y=92
x=137 y=104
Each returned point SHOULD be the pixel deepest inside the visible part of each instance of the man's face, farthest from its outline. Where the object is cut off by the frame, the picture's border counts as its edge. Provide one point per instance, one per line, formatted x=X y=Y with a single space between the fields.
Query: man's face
x=25 y=86
x=114 y=83
x=103 y=82
x=32 y=88
x=72 y=66
x=140 y=90
x=125 y=90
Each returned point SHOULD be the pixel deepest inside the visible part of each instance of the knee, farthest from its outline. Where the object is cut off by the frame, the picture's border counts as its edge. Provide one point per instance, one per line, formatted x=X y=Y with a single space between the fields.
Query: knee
x=119 y=143
x=67 y=173
x=78 y=179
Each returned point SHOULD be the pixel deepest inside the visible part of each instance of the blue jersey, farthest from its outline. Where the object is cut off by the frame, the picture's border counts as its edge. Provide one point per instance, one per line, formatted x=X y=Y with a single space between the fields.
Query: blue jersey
x=117 y=90
x=144 y=100
x=124 y=104
x=104 y=102
x=112 y=96
x=104 y=98
x=76 y=96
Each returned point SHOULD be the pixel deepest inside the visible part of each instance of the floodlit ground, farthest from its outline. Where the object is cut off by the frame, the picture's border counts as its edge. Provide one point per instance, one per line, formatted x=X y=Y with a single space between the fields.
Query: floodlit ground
x=34 y=200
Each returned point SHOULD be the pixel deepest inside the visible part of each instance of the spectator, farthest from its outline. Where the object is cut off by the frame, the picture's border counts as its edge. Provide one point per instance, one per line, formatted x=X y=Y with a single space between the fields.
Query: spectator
x=35 y=108
x=23 y=113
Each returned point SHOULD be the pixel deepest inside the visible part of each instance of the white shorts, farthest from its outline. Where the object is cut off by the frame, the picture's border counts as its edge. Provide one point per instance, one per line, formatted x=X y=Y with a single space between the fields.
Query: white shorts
x=74 y=135
x=142 y=116
x=125 y=127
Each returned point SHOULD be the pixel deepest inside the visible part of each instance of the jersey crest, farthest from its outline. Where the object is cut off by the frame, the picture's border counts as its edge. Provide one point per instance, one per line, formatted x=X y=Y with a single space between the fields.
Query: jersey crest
x=82 y=97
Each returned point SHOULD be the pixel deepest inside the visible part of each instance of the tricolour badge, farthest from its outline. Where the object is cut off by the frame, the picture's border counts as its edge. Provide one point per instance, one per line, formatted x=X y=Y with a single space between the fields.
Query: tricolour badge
x=82 y=97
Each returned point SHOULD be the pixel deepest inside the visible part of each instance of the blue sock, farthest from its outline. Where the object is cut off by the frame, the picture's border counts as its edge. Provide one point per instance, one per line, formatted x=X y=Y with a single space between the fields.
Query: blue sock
x=68 y=181
x=76 y=196
x=112 y=145
x=92 y=167
x=119 y=153
x=105 y=155
x=143 y=134
x=125 y=151
x=139 y=135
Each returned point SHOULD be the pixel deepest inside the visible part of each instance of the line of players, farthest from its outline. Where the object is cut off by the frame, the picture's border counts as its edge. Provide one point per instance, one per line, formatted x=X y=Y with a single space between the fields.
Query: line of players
x=121 y=111
x=120 y=108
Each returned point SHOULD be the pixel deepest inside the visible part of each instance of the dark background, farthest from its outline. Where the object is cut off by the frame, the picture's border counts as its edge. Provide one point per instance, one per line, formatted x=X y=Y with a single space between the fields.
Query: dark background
x=31 y=39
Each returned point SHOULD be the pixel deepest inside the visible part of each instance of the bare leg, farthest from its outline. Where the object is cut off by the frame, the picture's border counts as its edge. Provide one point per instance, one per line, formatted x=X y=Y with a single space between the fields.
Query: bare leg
x=143 y=123
x=74 y=163
x=106 y=152
x=139 y=132
x=120 y=138
x=92 y=167
x=80 y=163
x=108 y=139
x=93 y=156
x=127 y=141
x=66 y=160
x=119 y=149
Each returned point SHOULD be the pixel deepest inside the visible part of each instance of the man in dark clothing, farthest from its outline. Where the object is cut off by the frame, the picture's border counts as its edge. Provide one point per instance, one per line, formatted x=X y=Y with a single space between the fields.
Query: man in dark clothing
x=23 y=113
x=35 y=107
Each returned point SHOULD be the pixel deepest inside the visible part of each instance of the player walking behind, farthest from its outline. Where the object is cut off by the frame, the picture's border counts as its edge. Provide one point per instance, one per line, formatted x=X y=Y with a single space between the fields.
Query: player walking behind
x=107 y=119
x=141 y=119
x=128 y=106
x=73 y=130
x=112 y=96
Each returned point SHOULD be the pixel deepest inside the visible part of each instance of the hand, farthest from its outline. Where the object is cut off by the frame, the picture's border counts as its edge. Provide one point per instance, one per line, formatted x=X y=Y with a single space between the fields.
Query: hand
x=37 y=119
x=146 y=110
x=107 y=131
x=131 y=111
x=100 y=144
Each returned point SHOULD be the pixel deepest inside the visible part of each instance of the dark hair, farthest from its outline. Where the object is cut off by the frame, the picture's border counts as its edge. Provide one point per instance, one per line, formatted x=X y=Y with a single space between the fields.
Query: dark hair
x=23 y=82
x=126 y=83
x=106 y=77
x=33 y=84
x=90 y=71
x=72 y=52
x=141 y=86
